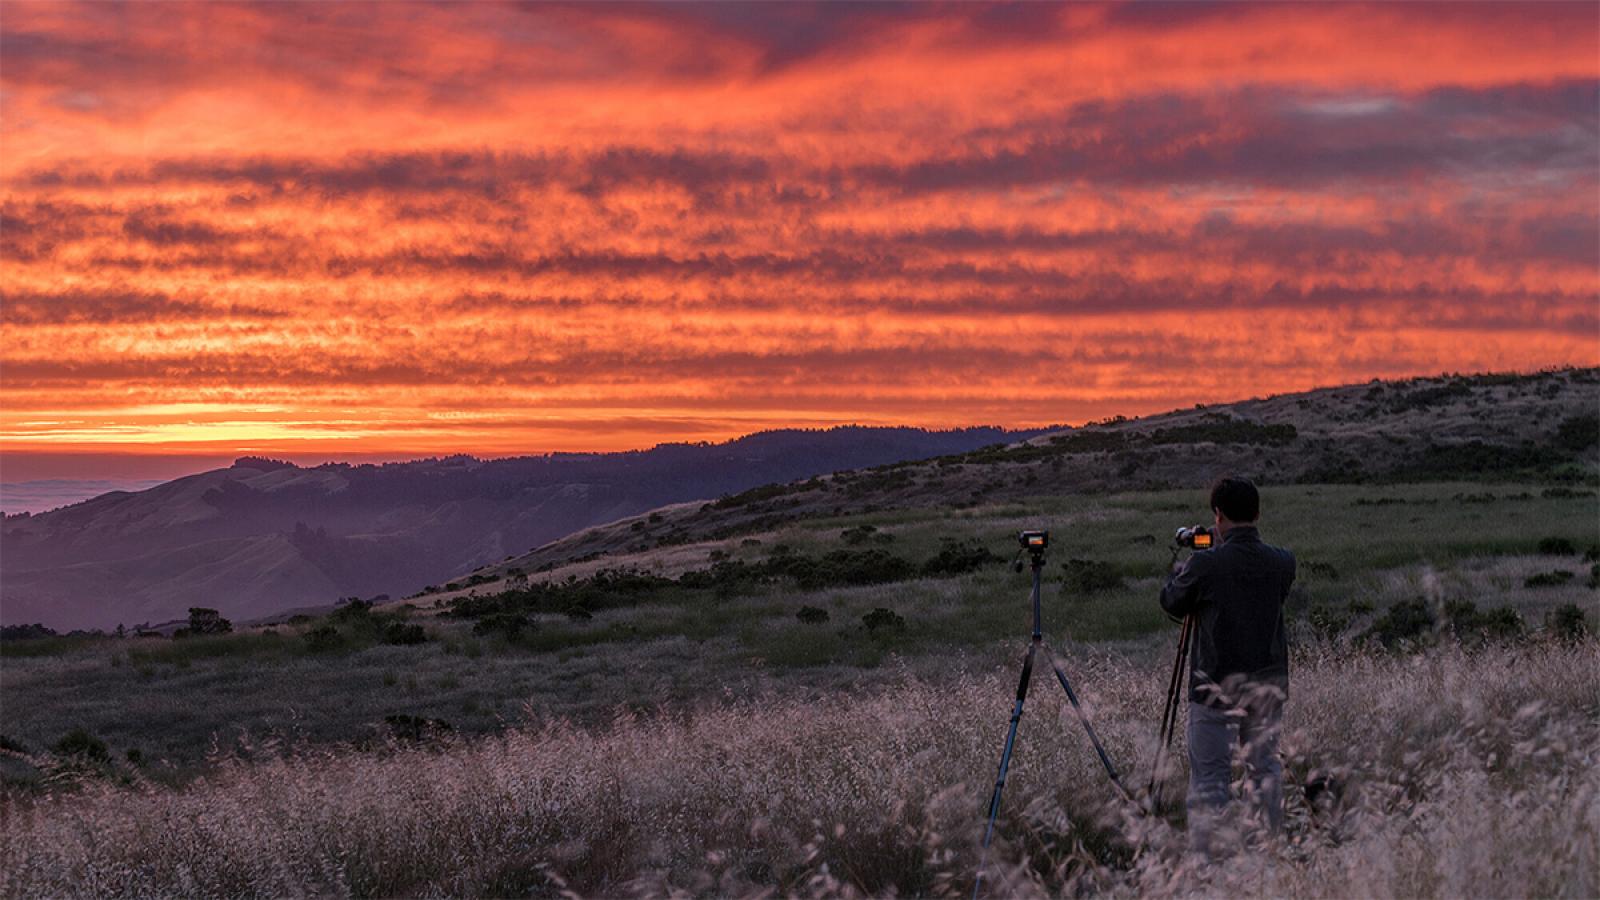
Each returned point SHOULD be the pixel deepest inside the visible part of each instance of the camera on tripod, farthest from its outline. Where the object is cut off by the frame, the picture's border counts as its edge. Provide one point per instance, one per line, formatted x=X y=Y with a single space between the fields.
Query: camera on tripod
x=1034 y=541
x=1194 y=537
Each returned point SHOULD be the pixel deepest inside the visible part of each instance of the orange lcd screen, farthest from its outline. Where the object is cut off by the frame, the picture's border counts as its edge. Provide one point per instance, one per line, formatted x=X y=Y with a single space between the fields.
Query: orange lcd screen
x=1202 y=540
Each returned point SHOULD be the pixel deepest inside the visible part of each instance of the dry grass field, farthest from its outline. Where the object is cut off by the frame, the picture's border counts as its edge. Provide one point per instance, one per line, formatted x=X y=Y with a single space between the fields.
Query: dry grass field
x=1460 y=773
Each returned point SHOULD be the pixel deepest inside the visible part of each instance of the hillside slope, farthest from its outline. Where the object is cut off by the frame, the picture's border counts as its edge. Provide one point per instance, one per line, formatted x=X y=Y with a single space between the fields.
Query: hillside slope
x=1541 y=427
x=262 y=536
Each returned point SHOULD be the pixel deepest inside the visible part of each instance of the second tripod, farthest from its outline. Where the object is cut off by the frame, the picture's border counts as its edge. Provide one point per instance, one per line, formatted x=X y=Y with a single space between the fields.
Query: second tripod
x=1034 y=544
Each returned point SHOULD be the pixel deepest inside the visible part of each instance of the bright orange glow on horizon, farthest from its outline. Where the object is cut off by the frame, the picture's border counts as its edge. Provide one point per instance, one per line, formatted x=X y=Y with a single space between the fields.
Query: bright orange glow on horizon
x=411 y=229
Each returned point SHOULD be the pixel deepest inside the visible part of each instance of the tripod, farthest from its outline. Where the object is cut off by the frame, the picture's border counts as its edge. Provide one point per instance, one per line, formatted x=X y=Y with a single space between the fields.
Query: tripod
x=1035 y=548
x=1169 y=715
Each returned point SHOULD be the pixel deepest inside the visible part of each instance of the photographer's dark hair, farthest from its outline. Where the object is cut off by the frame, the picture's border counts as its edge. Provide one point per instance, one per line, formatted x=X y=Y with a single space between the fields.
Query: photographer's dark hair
x=1237 y=499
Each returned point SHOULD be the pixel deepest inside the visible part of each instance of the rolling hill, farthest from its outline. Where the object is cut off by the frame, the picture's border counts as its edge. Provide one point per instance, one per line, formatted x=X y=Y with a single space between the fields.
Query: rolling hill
x=1540 y=427
x=262 y=536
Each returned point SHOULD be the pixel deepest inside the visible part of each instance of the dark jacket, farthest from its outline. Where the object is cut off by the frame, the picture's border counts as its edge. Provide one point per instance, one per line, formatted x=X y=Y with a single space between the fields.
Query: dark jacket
x=1235 y=591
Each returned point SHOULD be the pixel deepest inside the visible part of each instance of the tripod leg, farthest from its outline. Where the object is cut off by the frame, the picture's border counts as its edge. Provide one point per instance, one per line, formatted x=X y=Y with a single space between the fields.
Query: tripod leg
x=1088 y=726
x=1005 y=760
x=1169 y=713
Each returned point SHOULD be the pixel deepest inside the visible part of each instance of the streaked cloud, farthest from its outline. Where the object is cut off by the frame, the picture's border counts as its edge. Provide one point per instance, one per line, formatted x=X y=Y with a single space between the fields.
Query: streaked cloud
x=328 y=225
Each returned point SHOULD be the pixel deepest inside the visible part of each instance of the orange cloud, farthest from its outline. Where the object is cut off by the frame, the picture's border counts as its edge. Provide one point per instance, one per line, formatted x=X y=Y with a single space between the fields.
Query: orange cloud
x=404 y=228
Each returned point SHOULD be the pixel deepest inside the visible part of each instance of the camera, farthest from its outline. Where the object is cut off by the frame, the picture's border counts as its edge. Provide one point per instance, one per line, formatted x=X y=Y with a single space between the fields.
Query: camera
x=1195 y=537
x=1033 y=540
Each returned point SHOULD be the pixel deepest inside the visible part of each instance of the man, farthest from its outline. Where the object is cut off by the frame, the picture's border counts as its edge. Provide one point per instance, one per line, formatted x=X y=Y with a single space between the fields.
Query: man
x=1239 y=672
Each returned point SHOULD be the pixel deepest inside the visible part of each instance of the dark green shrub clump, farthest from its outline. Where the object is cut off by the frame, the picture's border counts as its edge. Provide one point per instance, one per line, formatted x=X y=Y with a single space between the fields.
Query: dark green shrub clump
x=81 y=745
x=1467 y=622
x=404 y=634
x=959 y=557
x=1567 y=622
x=1549 y=579
x=1579 y=432
x=323 y=638
x=509 y=625
x=203 y=621
x=1406 y=622
x=416 y=728
x=812 y=615
x=1321 y=570
x=861 y=534
x=31 y=632
x=1088 y=576
x=883 y=620
x=1555 y=546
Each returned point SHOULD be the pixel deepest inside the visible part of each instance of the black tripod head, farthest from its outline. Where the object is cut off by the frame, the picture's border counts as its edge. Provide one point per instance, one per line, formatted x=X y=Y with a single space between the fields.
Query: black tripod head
x=1033 y=543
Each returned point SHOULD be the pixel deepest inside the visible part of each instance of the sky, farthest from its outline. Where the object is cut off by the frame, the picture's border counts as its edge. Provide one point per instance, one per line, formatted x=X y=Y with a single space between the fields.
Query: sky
x=357 y=230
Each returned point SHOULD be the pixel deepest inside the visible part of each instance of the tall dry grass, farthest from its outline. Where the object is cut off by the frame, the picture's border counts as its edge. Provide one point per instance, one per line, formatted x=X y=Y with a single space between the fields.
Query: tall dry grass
x=1463 y=773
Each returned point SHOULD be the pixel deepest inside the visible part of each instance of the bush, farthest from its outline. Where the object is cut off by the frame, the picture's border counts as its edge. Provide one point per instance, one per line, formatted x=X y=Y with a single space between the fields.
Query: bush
x=1548 y=579
x=1555 y=546
x=1225 y=430
x=402 y=633
x=861 y=534
x=959 y=557
x=81 y=745
x=25 y=632
x=416 y=728
x=1466 y=622
x=1567 y=622
x=323 y=638
x=1579 y=432
x=882 y=619
x=206 y=621
x=1088 y=576
x=1321 y=570
x=812 y=615
x=509 y=625
x=1406 y=622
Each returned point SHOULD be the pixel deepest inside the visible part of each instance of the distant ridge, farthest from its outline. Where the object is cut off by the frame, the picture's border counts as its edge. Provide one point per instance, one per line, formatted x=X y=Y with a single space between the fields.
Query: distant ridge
x=265 y=535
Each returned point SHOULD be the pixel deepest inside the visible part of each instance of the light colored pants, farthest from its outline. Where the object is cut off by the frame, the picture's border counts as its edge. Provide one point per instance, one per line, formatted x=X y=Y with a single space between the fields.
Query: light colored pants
x=1254 y=727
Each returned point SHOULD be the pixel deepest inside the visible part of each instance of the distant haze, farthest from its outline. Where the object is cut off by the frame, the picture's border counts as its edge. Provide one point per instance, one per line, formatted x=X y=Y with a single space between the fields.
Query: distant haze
x=38 y=496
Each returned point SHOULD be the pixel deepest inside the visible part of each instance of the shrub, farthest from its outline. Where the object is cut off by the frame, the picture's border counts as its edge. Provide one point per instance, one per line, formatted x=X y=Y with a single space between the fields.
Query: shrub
x=510 y=625
x=861 y=534
x=812 y=615
x=1405 y=622
x=1567 y=622
x=883 y=619
x=81 y=745
x=1225 y=430
x=403 y=633
x=323 y=638
x=207 y=621
x=1555 y=546
x=1466 y=622
x=25 y=632
x=1328 y=621
x=406 y=727
x=1548 y=579
x=577 y=613
x=959 y=557
x=1579 y=432
x=1321 y=570
x=1088 y=576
